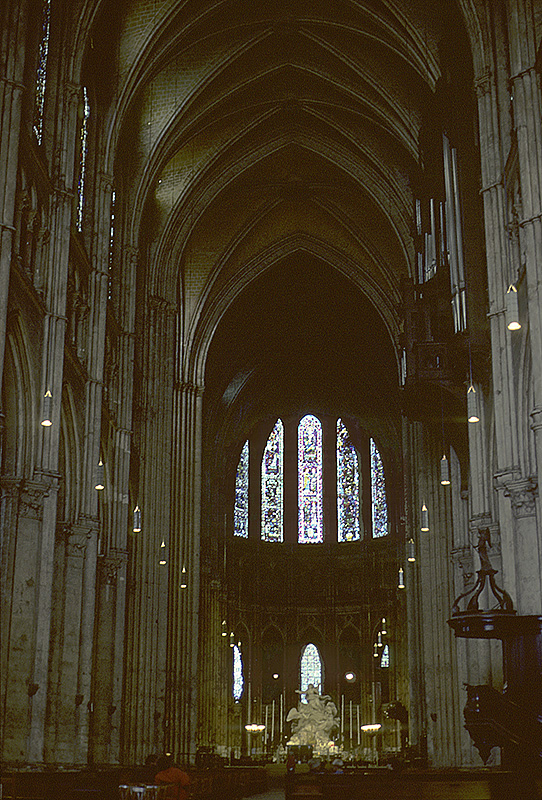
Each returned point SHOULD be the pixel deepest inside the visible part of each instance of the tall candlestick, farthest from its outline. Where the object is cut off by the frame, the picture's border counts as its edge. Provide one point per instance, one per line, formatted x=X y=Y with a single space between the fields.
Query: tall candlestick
x=359 y=728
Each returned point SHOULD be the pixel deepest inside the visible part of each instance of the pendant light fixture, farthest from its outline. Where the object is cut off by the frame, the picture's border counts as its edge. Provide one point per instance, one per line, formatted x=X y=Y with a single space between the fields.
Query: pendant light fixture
x=425 y=519
x=511 y=309
x=444 y=466
x=401 y=580
x=183 y=577
x=444 y=471
x=411 y=550
x=100 y=476
x=163 y=553
x=473 y=414
x=224 y=628
x=137 y=520
x=384 y=631
x=47 y=409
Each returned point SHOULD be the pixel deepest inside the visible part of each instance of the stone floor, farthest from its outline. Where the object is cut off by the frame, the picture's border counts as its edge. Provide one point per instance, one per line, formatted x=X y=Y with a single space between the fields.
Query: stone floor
x=481 y=785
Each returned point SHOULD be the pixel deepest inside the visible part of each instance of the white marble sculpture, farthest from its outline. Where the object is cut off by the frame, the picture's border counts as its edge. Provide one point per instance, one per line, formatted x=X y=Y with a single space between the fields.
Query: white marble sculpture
x=314 y=722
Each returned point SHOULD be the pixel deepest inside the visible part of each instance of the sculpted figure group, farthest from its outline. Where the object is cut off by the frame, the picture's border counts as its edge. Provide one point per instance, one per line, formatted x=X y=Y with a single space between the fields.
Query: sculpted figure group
x=313 y=722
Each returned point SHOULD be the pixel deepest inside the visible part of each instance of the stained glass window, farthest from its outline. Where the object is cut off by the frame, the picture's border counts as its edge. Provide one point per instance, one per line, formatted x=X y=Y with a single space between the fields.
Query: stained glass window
x=311 y=669
x=238 y=679
x=41 y=72
x=111 y=240
x=348 y=529
x=378 y=494
x=309 y=477
x=272 y=485
x=83 y=146
x=240 y=511
x=385 y=658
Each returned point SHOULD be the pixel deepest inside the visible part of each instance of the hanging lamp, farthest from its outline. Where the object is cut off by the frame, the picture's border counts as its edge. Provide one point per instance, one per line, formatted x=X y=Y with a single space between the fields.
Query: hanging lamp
x=47 y=409
x=137 y=520
x=100 y=476
x=444 y=471
x=425 y=519
x=511 y=309
x=411 y=550
x=473 y=413
x=401 y=580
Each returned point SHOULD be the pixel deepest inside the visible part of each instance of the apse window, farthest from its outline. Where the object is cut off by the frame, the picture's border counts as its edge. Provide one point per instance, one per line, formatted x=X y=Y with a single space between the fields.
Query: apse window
x=240 y=511
x=273 y=486
x=357 y=490
x=309 y=476
x=348 y=483
x=238 y=679
x=379 y=504
x=310 y=669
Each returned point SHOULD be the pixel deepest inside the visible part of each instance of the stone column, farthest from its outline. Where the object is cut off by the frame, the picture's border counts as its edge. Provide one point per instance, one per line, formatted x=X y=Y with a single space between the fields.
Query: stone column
x=29 y=620
x=66 y=712
x=11 y=92
x=211 y=640
x=183 y=605
x=527 y=107
x=148 y=581
x=523 y=494
x=435 y=702
x=105 y=705
x=89 y=527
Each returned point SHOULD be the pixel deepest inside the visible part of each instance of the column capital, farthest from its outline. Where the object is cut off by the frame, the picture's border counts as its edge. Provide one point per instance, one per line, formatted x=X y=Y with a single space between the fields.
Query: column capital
x=482 y=84
x=160 y=304
x=189 y=387
x=536 y=416
x=76 y=536
x=110 y=566
x=31 y=497
x=10 y=485
x=522 y=494
x=105 y=182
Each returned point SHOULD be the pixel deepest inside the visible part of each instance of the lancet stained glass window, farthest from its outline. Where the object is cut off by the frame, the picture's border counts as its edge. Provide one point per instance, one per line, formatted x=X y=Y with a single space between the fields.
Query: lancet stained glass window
x=272 y=486
x=309 y=477
x=41 y=72
x=378 y=494
x=238 y=678
x=240 y=511
x=385 y=658
x=311 y=669
x=348 y=528
x=83 y=147
x=111 y=241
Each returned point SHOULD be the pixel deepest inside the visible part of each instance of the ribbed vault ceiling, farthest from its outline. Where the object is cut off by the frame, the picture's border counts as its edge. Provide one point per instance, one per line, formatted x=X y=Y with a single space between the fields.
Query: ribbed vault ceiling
x=279 y=135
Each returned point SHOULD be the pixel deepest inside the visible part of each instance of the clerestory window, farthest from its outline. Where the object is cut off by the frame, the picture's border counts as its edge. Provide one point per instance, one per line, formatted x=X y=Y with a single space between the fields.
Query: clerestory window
x=331 y=469
x=310 y=669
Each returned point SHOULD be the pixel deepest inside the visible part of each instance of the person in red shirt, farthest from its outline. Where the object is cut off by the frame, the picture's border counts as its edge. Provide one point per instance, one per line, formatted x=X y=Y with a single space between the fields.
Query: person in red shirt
x=172 y=776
